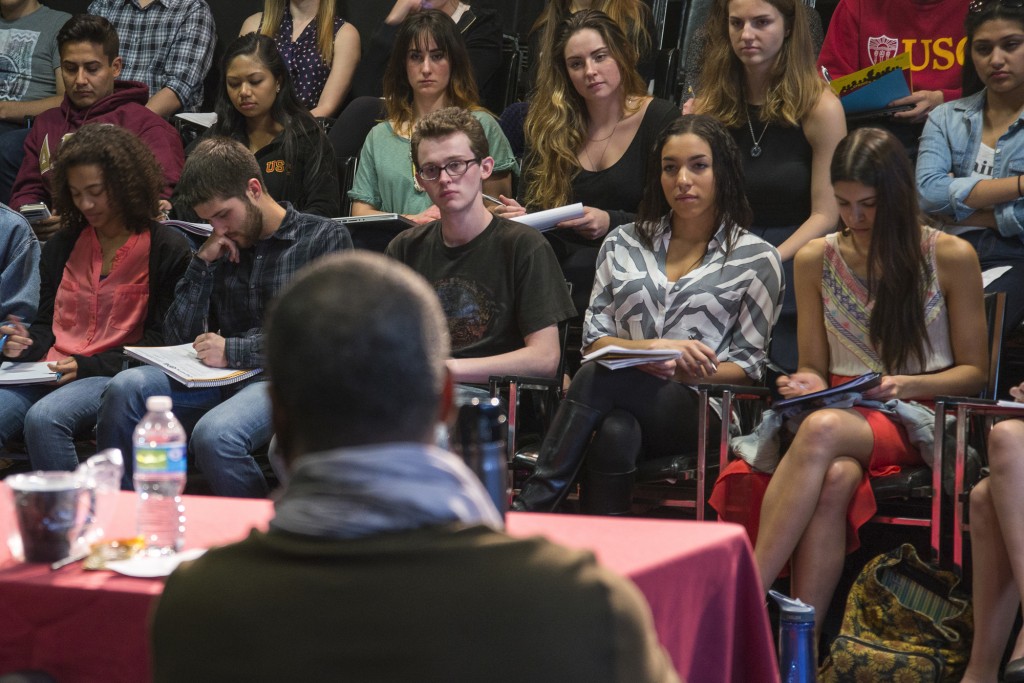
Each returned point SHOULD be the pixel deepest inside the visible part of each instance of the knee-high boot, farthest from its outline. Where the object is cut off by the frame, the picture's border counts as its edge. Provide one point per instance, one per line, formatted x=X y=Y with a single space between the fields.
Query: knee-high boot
x=606 y=493
x=560 y=457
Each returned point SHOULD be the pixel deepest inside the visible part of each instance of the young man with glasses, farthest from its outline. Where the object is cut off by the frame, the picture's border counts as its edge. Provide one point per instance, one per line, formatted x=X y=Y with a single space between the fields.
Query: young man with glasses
x=499 y=282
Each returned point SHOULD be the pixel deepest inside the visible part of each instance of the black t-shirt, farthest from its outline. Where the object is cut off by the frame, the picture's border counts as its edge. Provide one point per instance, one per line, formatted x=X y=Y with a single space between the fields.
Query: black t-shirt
x=495 y=290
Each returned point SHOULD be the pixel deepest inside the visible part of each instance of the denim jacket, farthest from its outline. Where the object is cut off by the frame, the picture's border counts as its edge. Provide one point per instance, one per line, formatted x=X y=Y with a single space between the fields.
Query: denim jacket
x=949 y=144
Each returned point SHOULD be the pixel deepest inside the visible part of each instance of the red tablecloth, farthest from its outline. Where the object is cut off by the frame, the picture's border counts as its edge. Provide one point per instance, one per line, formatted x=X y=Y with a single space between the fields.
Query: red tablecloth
x=699 y=578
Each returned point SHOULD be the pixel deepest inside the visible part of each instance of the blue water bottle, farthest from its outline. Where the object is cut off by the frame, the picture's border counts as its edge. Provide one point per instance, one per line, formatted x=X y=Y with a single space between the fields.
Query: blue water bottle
x=797 y=660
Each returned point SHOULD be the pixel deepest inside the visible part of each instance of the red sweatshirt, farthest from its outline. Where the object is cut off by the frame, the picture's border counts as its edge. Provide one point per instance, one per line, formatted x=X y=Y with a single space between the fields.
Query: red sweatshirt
x=124 y=107
x=865 y=32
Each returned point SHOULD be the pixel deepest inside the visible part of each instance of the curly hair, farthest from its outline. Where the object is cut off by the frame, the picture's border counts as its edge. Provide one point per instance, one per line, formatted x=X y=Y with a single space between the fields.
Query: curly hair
x=131 y=175
x=414 y=33
x=896 y=262
x=298 y=123
x=557 y=132
x=794 y=86
x=273 y=15
x=731 y=205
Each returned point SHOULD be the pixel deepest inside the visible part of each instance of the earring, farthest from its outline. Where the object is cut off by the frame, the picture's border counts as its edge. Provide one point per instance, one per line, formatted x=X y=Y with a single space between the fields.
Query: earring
x=278 y=89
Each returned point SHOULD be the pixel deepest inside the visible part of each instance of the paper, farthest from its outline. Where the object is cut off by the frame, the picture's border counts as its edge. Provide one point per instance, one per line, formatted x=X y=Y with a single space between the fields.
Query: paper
x=1011 y=404
x=857 y=385
x=199 y=118
x=992 y=274
x=545 y=220
x=875 y=87
x=26 y=373
x=201 y=229
x=181 y=363
x=617 y=357
x=144 y=567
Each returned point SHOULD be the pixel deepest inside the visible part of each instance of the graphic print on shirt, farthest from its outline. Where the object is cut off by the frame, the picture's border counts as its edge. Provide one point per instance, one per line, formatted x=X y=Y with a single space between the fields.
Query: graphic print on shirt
x=468 y=307
x=46 y=156
x=938 y=54
x=16 y=48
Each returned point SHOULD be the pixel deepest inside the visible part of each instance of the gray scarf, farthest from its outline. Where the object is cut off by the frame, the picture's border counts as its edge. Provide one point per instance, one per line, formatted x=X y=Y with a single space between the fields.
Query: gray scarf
x=356 y=492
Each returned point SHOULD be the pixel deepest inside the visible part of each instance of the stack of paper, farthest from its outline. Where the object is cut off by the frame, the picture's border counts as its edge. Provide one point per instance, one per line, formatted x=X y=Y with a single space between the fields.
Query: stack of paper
x=201 y=229
x=616 y=357
x=181 y=363
x=26 y=373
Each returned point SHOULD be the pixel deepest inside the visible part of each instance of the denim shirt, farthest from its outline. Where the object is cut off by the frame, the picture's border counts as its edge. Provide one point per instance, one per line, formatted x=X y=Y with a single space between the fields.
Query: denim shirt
x=950 y=144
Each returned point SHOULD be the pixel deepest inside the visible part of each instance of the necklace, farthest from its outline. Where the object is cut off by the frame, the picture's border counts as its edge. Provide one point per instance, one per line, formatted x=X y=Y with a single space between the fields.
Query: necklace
x=605 y=140
x=755 y=151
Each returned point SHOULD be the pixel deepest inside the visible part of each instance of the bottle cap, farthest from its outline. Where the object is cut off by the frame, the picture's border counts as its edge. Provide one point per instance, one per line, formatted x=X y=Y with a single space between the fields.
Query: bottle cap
x=793 y=609
x=158 y=404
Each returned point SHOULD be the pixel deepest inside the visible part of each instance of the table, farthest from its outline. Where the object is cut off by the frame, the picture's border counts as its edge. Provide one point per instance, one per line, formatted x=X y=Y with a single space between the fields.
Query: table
x=699 y=578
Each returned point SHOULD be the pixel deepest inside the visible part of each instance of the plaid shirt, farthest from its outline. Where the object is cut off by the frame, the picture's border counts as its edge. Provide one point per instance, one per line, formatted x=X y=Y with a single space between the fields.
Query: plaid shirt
x=169 y=44
x=233 y=297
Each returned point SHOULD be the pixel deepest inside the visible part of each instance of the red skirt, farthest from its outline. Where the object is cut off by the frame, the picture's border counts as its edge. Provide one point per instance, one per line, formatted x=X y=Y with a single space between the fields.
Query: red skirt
x=739 y=491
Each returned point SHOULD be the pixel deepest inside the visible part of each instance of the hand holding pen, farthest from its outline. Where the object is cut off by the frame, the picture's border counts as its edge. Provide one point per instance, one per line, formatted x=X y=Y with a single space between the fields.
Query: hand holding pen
x=14 y=337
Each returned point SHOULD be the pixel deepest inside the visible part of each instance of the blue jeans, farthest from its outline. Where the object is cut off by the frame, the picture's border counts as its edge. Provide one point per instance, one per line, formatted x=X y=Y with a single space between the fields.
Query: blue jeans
x=50 y=417
x=226 y=425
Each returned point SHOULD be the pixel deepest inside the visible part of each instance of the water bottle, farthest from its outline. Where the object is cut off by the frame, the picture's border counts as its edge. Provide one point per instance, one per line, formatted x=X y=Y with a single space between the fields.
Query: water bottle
x=797 y=660
x=160 y=470
x=479 y=437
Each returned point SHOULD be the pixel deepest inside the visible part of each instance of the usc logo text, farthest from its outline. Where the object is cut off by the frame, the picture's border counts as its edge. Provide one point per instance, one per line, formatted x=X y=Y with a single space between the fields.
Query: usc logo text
x=276 y=166
x=937 y=54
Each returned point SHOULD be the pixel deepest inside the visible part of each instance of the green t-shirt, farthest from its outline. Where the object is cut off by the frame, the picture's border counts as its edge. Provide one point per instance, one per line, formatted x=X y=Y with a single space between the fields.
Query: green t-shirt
x=384 y=177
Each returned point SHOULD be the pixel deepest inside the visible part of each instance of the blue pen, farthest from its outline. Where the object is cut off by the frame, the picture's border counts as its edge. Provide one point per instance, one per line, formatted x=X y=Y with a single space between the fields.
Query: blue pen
x=3 y=340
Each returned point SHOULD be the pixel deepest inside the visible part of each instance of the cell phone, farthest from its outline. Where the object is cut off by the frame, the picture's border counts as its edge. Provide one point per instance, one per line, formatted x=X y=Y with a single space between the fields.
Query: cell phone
x=34 y=213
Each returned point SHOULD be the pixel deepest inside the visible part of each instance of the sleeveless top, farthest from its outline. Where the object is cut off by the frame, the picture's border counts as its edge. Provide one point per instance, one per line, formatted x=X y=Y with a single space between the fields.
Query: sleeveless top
x=306 y=67
x=848 y=313
x=779 y=180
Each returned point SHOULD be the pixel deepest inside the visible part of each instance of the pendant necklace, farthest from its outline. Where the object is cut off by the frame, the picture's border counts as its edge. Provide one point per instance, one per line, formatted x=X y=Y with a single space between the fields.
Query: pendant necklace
x=756 y=150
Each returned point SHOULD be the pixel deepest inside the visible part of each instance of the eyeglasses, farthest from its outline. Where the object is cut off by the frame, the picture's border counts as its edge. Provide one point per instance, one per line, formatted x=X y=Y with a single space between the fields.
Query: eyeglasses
x=454 y=169
x=978 y=6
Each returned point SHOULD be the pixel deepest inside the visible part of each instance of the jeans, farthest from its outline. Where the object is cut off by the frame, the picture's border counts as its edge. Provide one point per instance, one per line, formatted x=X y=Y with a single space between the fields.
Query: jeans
x=226 y=425
x=50 y=417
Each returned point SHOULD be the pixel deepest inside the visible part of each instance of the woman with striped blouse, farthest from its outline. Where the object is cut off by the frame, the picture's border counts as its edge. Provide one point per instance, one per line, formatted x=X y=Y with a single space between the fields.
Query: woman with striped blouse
x=685 y=276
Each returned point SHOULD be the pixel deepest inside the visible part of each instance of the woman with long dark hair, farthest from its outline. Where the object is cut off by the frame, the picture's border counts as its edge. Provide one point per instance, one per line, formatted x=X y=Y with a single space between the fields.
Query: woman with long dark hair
x=685 y=276
x=257 y=107
x=107 y=279
x=428 y=70
x=884 y=294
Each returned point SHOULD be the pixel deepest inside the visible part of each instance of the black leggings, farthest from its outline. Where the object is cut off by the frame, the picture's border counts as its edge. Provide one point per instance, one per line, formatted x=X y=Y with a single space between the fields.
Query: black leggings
x=643 y=417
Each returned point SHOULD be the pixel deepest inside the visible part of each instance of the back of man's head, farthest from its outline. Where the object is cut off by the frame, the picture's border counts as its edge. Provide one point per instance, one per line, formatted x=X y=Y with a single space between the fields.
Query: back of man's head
x=448 y=121
x=218 y=168
x=356 y=350
x=88 y=28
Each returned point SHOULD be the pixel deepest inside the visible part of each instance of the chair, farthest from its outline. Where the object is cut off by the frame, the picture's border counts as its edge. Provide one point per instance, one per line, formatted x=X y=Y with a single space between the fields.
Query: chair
x=505 y=90
x=346 y=176
x=917 y=495
x=666 y=74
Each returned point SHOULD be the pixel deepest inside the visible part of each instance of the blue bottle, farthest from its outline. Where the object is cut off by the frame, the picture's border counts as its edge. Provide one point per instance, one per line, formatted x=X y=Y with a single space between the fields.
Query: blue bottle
x=797 y=660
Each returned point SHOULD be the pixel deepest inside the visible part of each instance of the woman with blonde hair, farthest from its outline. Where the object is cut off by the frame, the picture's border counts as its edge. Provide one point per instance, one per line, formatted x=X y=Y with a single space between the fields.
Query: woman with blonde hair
x=320 y=48
x=760 y=80
x=428 y=70
x=590 y=141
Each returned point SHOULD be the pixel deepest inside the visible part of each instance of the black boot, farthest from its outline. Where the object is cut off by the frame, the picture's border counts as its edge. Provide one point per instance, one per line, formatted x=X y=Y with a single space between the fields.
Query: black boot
x=560 y=457
x=604 y=493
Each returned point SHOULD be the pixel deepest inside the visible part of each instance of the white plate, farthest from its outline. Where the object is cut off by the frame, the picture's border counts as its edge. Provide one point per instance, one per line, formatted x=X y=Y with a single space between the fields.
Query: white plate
x=152 y=567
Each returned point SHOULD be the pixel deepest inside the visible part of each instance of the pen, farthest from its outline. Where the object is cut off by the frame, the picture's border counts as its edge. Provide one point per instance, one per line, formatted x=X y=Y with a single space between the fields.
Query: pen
x=825 y=74
x=494 y=200
x=3 y=340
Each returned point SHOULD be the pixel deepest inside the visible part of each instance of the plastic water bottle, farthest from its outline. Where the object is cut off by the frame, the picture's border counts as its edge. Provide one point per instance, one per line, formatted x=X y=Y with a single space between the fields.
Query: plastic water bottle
x=797 y=658
x=160 y=470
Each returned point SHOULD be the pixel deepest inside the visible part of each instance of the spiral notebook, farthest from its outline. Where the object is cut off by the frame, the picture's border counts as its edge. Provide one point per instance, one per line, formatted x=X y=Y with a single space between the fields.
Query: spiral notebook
x=181 y=363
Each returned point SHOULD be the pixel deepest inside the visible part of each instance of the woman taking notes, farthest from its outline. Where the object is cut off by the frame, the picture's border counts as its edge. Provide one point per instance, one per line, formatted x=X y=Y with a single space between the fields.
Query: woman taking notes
x=107 y=278
x=685 y=276
x=885 y=294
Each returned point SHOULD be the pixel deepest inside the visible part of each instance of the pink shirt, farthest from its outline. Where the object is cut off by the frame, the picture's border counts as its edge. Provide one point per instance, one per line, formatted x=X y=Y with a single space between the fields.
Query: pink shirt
x=93 y=314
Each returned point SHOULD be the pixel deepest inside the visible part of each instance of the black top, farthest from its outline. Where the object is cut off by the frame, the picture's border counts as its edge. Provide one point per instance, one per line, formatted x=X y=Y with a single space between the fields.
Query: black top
x=779 y=180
